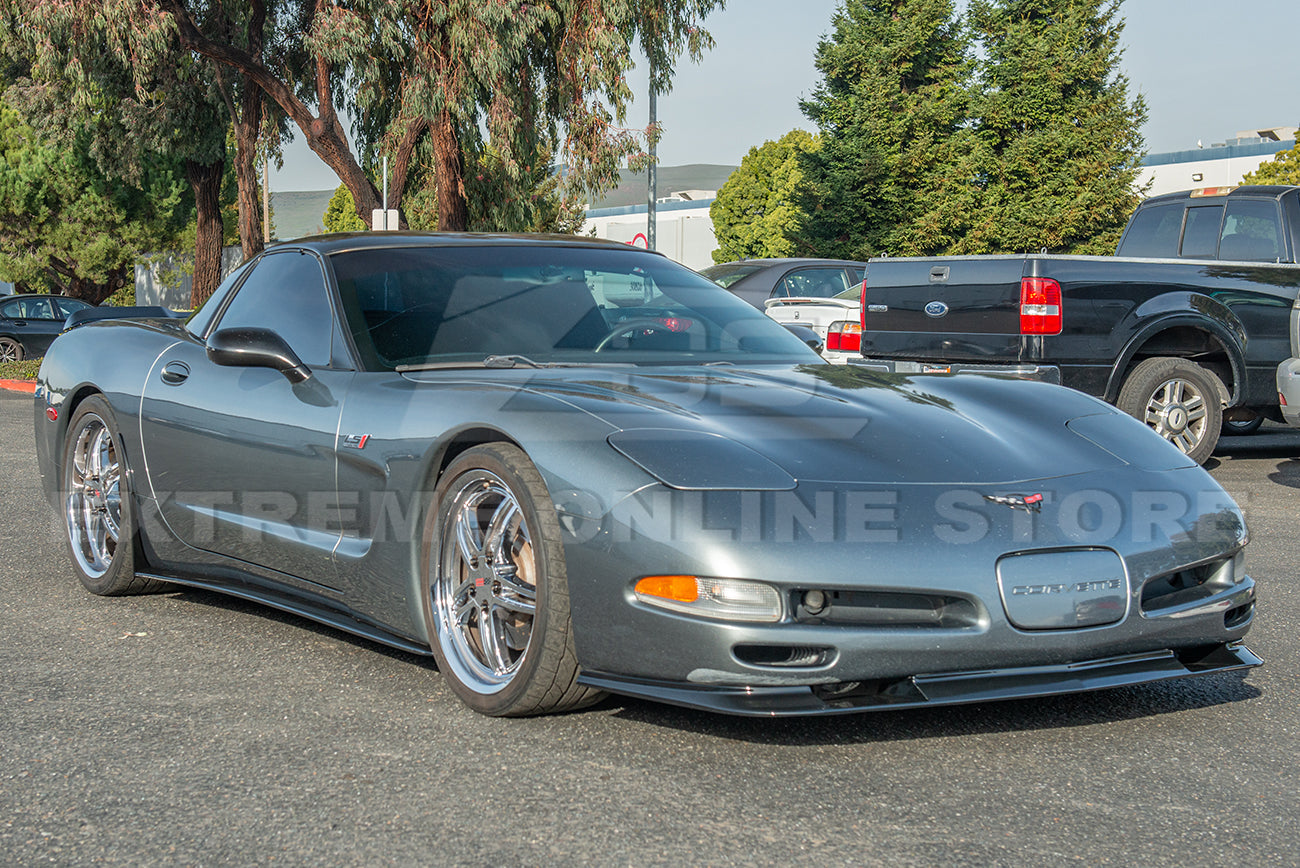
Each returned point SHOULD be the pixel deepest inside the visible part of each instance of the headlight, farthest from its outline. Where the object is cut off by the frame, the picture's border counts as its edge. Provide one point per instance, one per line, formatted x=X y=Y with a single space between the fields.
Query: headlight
x=726 y=599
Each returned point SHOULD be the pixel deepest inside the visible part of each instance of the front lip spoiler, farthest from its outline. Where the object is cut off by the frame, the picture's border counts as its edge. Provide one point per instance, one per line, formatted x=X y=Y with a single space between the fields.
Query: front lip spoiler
x=951 y=688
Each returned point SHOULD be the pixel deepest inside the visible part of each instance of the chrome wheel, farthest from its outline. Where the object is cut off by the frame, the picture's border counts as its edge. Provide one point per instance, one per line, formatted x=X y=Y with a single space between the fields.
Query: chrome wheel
x=94 y=496
x=485 y=585
x=1178 y=411
x=10 y=350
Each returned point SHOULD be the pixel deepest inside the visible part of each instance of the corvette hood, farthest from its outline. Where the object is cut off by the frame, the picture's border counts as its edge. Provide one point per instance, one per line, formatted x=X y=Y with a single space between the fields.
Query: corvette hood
x=841 y=424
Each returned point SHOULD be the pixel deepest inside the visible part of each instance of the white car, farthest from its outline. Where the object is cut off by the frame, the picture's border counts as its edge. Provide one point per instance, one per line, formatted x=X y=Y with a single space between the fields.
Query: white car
x=836 y=320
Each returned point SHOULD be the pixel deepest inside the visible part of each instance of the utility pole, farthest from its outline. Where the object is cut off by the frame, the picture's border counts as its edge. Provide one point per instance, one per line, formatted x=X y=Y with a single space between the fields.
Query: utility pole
x=653 y=181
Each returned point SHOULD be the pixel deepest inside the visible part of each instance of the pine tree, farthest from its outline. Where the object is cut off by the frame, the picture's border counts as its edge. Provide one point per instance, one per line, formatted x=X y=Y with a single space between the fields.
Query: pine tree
x=1059 y=141
x=891 y=108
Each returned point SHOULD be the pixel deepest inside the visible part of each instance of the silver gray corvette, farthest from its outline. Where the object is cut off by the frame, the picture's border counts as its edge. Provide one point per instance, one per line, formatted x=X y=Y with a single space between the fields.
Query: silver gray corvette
x=564 y=468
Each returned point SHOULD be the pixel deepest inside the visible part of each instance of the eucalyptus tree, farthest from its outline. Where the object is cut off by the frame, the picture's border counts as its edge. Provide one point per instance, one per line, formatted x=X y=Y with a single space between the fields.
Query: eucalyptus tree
x=535 y=75
x=118 y=69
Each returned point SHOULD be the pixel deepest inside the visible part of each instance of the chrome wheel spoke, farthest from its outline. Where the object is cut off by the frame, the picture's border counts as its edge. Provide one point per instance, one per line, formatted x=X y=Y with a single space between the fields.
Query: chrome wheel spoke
x=468 y=539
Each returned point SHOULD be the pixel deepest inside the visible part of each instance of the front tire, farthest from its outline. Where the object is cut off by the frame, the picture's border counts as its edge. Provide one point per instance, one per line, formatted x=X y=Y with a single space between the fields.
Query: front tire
x=99 y=512
x=496 y=593
x=1179 y=400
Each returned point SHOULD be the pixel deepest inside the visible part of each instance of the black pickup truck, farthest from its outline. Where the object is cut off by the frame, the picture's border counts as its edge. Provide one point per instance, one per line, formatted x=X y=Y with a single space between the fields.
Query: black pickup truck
x=1183 y=328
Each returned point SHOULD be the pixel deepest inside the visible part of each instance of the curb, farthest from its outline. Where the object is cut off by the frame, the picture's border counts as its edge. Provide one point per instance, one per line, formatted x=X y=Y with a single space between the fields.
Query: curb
x=19 y=386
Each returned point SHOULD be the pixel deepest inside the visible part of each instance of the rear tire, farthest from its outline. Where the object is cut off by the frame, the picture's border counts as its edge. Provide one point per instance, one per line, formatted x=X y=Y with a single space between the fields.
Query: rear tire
x=98 y=509
x=1241 y=429
x=11 y=350
x=495 y=588
x=1179 y=400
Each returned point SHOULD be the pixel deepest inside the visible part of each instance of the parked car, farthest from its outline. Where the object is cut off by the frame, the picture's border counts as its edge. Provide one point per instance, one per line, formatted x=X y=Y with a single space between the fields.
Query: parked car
x=757 y=280
x=1183 y=328
x=837 y=321
x=28 y=323
x=475 y=448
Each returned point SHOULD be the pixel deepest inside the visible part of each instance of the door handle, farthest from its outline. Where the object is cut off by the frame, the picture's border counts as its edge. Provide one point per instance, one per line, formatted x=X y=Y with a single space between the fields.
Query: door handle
x=175 y=373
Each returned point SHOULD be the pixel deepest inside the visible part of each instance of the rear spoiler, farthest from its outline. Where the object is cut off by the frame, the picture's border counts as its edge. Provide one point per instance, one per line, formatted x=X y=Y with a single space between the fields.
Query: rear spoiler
x=797 y=300
x=94 y=314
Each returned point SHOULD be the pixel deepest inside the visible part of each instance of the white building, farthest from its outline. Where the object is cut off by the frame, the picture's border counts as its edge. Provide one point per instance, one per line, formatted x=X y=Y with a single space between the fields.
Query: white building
x=683 y=227
x=1220 y=165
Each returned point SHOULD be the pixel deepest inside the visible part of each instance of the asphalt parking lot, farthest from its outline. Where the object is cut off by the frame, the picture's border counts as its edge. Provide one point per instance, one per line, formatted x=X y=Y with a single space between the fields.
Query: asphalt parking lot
x=186 y=728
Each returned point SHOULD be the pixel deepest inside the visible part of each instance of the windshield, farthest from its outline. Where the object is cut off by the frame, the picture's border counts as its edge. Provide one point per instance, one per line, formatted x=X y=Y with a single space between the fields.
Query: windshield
x=439 y=305
x=726 y=275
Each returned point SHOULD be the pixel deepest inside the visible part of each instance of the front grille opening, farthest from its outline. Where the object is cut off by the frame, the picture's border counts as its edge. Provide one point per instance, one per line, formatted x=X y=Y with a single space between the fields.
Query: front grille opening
x=784 y=656
x=1237 y=617
x=1188 y=585
x=885 y=609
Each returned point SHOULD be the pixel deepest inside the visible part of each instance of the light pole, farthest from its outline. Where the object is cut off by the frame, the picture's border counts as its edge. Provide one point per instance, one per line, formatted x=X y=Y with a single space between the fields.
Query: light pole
x=650 y=172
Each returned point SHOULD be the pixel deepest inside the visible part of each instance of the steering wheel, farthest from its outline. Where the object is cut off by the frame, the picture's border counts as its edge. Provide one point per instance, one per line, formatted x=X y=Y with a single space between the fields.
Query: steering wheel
x=626 y=326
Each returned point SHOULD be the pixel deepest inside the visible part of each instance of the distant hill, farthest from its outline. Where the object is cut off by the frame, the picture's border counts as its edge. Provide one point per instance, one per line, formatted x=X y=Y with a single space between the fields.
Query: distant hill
x=300 y=212
x=296 y=213
x=631 y=189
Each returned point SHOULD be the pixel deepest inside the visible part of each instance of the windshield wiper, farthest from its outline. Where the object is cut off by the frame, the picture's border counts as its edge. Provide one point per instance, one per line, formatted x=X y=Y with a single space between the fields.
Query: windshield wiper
x=511 y=360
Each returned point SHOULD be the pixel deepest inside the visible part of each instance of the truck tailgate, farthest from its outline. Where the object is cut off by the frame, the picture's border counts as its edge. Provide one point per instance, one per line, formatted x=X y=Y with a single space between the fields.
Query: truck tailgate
x=948 y=308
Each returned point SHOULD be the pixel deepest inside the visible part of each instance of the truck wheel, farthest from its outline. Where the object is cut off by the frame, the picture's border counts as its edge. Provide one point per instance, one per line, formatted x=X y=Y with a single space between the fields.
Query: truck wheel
x=1240 y=429
x=1179 y=400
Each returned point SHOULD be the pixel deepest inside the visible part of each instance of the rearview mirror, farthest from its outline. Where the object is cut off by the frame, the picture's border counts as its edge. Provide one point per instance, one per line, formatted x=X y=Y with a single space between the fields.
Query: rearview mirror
x=256 y=348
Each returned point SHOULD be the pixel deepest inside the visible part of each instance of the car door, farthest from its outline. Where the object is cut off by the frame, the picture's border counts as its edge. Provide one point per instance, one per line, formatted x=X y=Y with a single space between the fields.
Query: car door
x=32 y=323
x=241 y=459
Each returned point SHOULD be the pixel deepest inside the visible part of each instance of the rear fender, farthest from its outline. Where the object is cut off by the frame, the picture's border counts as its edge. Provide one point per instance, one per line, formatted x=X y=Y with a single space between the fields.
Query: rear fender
x=1222 y=328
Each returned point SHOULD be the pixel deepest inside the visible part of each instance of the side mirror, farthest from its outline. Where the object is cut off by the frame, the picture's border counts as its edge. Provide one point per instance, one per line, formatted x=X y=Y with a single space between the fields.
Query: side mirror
x=807 y=335
x=256 y=348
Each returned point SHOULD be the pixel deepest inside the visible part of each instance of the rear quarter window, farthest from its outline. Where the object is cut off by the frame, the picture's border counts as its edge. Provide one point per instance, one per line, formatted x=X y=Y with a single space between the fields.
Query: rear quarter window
x=1154 y=232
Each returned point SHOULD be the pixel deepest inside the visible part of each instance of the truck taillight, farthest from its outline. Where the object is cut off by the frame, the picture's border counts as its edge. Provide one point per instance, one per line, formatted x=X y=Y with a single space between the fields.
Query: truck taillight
x=844 y=336
x=1040 y=306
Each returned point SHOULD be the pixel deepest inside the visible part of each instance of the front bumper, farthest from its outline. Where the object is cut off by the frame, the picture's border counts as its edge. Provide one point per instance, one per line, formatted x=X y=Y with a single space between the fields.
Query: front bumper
x=949 y=688
x=1042 y=373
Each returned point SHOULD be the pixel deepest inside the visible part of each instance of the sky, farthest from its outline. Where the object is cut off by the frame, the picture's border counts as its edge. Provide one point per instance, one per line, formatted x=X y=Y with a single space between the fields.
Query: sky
x=1207 y=68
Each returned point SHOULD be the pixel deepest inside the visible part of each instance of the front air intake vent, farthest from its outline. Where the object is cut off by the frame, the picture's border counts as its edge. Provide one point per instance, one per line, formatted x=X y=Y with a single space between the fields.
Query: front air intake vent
x=1187 y=586
x=784 y=656
x=884 y=609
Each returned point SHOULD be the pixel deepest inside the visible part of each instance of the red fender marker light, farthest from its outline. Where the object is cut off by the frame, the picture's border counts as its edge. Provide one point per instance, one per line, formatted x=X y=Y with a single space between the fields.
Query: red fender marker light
x=52 y=413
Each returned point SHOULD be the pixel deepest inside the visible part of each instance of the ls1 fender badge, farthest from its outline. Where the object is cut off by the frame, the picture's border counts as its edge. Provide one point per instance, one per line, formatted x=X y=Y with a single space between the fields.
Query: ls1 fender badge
x=356 y=441
x=1027 y=502
x=936 y=309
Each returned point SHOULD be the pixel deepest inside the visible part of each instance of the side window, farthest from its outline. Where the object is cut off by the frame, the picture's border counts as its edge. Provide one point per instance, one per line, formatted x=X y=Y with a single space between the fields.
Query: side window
x=286 y=293
x=28 y=308
x=1252 y=231
x=1201 y=232
x=1154 y=232
x=811 y=283
x=69 y=306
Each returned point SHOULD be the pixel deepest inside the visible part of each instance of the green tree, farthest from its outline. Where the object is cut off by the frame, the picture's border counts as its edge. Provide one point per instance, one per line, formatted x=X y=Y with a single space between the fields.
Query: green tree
x=1059 y=138
x=124 y=77
x=341 y=213
x=534 y=74
x=892 y=107
x=758 y=211
x=67 y=227
x=1284 y=168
